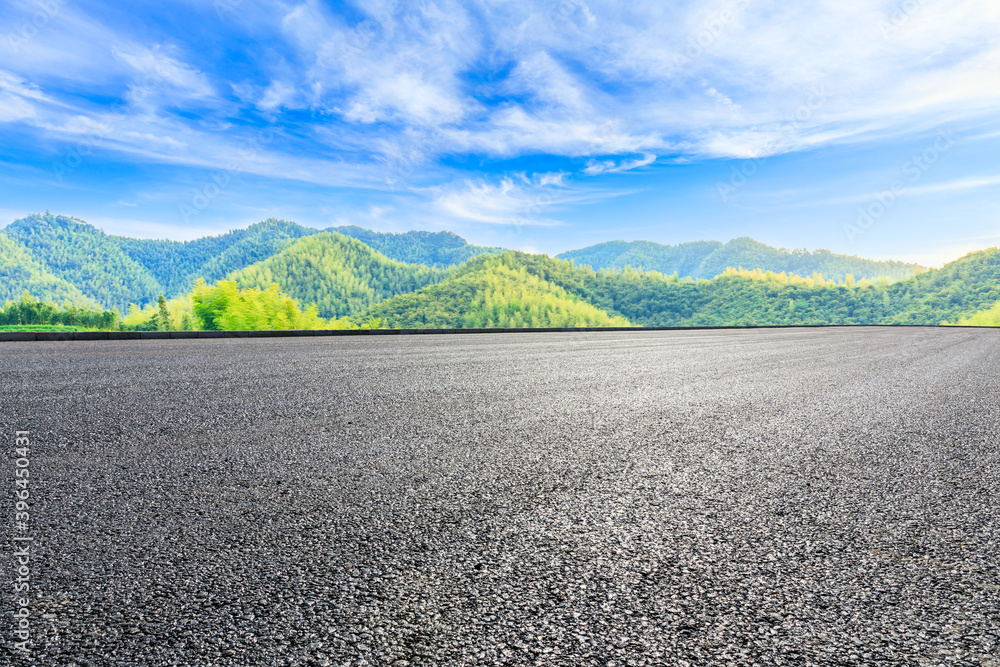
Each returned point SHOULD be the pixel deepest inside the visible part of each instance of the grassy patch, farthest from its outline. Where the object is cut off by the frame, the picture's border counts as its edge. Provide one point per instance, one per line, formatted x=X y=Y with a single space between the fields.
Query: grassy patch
x=42 y=327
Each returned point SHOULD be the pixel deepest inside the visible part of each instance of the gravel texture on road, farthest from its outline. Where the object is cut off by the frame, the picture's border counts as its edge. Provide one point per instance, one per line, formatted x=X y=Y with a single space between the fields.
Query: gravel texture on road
x=786 y=497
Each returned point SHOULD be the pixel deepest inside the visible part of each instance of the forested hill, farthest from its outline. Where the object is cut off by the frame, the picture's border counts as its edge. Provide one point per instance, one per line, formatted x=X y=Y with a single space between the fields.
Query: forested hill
x=707 y=259
x=20 y=273
x=341 y=275
x=498 y=291
x=86 y=258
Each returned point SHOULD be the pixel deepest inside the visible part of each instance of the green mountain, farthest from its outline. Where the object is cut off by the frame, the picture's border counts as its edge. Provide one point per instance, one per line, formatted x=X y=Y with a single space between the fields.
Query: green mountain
x=439 y=249
x=707 y=259
x=958 y=289
x=20 y=272
x=85 y=257
x=341 y=275
x=494 y=291
x=176 y=265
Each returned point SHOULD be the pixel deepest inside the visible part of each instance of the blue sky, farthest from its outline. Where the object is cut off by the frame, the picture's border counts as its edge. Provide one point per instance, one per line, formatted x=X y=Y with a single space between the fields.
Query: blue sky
x=861 y=126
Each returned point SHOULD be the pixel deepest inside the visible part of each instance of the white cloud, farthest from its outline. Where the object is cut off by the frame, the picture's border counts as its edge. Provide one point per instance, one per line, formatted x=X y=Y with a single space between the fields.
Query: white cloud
x=517 y=200
x=16 y=85
x=278 y=94
x=505 y=203
x=399 y=64
x=18 y=98
x=158 y=75
x=957 y=185
x=14 y=108
x=55 y=40
x=548 y=83
x=595 y=167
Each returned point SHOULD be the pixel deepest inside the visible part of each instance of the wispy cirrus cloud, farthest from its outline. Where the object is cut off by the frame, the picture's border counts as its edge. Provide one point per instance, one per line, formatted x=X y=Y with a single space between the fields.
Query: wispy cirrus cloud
x=595 y=167
x=519 y=200
x=162 y=78
x=507 y=202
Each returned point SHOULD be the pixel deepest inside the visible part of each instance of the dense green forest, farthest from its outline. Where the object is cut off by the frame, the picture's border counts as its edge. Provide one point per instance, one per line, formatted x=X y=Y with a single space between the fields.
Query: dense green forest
x=227 y=307
x=340 y=275
x=498 y=294
x=989 y=317
x=114 y=271
x=707 y=259
x=85 y=257
x=177 y=265
x=20 y=272
x=437 y=249
x=222 y=306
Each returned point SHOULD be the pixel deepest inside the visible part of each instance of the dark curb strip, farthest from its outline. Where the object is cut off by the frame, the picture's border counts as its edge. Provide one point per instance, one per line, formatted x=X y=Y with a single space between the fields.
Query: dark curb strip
x=10 y=336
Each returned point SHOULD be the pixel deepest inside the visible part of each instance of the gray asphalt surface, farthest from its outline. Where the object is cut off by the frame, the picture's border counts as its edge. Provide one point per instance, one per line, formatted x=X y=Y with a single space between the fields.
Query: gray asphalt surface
x=785 y=497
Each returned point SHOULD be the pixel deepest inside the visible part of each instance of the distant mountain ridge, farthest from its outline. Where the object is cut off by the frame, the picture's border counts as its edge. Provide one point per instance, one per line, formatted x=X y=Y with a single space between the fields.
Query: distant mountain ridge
x=176 y=264
x=707 y=259
x=438 y=249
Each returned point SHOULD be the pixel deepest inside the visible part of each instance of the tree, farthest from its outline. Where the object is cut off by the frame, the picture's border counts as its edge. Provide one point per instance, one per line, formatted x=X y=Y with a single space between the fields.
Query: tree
x=163 y=315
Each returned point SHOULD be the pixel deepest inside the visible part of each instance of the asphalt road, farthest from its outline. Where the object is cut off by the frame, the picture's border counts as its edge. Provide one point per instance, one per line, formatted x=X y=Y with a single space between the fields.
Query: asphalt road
x=793 y=497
